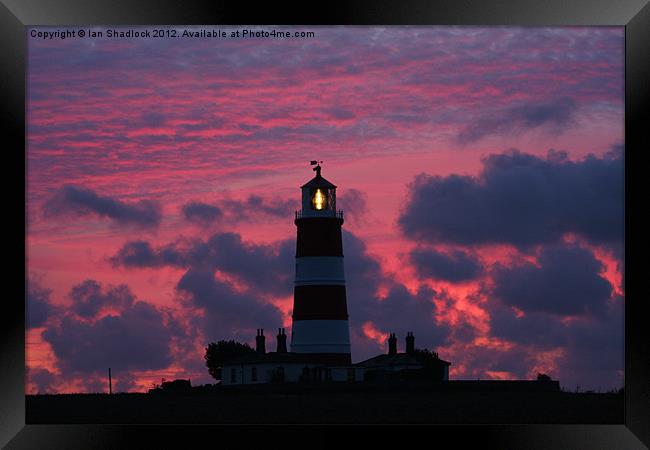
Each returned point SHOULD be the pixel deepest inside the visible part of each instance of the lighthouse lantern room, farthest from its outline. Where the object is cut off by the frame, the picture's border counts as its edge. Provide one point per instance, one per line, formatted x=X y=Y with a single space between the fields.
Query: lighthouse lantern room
x=318 y=198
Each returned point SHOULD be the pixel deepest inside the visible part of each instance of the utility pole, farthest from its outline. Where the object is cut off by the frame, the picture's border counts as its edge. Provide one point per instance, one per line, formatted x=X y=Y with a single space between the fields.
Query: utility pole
x=110 y=382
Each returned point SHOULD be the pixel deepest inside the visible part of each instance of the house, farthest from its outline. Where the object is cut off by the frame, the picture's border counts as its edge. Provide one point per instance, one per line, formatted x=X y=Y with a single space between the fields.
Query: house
x=282 y=366
x=411 y=365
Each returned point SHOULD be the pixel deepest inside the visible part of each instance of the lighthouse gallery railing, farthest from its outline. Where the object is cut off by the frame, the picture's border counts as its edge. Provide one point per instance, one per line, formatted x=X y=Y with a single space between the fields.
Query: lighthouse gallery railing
x=299 y=215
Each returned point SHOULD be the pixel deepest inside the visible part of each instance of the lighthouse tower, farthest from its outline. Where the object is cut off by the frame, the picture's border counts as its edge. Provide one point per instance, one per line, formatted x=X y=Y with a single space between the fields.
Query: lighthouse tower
x=320 y=315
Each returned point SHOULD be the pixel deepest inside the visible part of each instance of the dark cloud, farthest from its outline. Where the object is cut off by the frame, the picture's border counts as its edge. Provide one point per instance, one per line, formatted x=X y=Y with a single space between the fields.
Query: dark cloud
x=136 y=339
x=229 y=314
x=399 y=312
x=251 y=208
x=88 y=298
x=557 y=114
x=586 y=352
x=152 y=119
x=340 y=113
x=43 y=379
x=548 y=330
x=520 y=199
x=38 y=306
x=98 y=383
x=456 y=266
x=76 y=127
x=83 y=201
x=354 y=203
x=266 y=268
x=595 y=351
x=592 y=346
x=255 y=208
x=123 y=384
x=477 y=361
x=543 y=330
x=566 y=281
x=402 y=311
x=227 y=311
x=463 y=331
x=362 y=270
x=135 y=335
x=201 y=213
x=141 y=254
x=269 y=270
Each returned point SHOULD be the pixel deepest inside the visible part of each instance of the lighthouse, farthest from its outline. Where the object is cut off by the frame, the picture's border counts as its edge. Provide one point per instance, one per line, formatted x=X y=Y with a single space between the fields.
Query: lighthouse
x=320 y=329
x=320 y=334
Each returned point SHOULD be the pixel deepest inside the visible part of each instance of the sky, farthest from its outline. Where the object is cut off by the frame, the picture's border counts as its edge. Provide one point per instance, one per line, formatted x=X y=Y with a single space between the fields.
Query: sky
x=480 y=170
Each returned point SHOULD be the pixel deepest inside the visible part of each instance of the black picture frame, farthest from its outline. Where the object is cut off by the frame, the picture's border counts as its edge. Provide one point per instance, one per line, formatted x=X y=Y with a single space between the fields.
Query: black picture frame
x=15 y=15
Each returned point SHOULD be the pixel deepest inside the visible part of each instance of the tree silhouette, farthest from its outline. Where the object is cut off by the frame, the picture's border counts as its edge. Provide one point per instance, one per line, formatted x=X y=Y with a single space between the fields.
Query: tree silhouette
x=426 y=357
x=217 y=353
x=431 y=367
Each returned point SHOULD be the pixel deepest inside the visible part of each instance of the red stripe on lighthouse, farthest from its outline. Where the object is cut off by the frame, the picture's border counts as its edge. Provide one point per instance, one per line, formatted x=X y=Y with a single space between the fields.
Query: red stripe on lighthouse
x=319 y=302
x=319 y=236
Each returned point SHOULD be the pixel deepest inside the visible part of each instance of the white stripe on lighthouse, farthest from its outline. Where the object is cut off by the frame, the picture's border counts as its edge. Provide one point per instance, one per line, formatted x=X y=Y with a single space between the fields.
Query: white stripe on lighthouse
x=319 y=270
x=320 y=336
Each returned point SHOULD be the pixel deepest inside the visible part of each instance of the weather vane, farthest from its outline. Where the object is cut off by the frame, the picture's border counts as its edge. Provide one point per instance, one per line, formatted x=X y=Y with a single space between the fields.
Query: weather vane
x=317 y=168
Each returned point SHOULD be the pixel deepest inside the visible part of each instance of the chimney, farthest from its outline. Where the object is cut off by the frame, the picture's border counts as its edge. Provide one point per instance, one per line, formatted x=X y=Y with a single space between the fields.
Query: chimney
x=282 y=341
x=259 y=340
x=392 y=344
x=410 y=343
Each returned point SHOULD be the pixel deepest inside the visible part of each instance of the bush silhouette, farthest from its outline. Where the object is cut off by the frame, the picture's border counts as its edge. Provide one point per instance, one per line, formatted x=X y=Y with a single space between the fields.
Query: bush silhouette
x=217 y=353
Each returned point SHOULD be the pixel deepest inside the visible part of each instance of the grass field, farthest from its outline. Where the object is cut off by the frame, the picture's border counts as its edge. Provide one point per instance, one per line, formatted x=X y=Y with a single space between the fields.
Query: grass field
x=334 y=405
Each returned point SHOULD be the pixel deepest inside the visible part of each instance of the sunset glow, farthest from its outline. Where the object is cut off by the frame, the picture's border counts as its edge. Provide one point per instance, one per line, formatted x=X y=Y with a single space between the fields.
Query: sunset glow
x=479 y=170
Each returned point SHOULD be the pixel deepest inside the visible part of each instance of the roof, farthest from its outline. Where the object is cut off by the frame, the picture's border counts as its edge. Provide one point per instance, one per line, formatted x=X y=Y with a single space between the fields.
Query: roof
x=398 y=359
x=272 y=357
x=318 y=181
